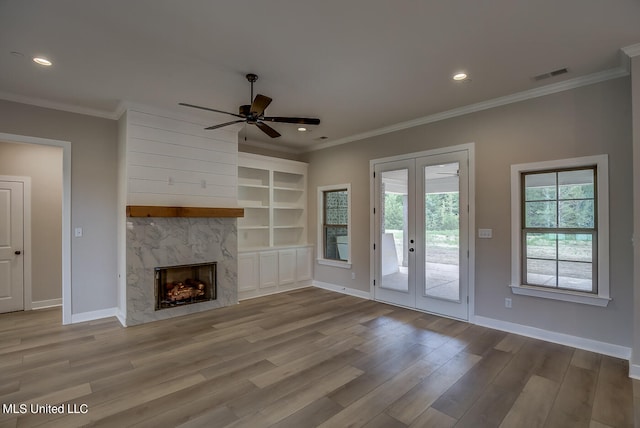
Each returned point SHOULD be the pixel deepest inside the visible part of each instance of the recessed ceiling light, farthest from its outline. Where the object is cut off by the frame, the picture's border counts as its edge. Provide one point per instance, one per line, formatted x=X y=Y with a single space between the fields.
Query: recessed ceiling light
x=460 y=76
x=42 y=61
x=302 y=129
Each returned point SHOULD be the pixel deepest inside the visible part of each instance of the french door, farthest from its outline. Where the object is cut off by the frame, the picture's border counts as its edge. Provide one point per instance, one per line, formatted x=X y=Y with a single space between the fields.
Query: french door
x=421 y=225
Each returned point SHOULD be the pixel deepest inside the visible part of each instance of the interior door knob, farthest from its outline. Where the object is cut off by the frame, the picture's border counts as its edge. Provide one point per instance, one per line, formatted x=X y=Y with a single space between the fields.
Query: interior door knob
x=411 y=250
x=17 y=253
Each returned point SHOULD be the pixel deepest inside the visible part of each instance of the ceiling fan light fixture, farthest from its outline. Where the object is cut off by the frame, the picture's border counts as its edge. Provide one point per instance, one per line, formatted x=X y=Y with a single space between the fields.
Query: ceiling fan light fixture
x=42 y=61
x=460 y=76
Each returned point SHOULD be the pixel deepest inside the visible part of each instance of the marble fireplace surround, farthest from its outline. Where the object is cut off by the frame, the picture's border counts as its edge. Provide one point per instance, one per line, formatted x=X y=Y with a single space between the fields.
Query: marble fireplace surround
x=166 y=236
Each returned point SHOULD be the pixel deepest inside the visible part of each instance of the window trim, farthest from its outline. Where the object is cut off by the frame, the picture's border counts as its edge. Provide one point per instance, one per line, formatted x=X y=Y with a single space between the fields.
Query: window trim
x=602 y=191
x=320 y=241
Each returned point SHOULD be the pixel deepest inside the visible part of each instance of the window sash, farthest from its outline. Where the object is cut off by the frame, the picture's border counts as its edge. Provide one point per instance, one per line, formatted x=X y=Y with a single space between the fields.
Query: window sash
x=334 y=215
x=545 y=265
x=575 y=279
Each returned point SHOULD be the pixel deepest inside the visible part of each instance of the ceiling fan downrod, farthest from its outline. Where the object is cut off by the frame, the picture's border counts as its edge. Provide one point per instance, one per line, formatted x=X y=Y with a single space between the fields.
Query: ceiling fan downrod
x=251 y=78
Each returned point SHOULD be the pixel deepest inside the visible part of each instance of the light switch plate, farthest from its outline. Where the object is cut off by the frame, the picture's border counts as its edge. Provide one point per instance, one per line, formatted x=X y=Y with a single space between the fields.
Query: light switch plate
x=77 y=232
x=485 y=233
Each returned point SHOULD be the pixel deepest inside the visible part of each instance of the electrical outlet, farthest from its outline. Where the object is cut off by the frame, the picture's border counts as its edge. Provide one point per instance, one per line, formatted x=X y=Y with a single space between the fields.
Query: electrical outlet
x=353 y=275
x=507 y=302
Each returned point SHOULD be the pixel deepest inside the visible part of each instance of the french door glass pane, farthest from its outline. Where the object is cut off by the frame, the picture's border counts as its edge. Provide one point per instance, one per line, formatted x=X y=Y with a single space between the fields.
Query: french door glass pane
x=394 y=239
x=442 y=231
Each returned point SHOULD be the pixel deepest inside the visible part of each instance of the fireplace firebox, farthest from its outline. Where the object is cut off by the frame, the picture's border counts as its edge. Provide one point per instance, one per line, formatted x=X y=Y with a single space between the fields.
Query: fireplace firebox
x=185 y=284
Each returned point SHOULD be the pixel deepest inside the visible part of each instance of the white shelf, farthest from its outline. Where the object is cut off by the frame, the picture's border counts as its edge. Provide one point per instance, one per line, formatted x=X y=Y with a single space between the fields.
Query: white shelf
x=251 y=186
x=288 y=189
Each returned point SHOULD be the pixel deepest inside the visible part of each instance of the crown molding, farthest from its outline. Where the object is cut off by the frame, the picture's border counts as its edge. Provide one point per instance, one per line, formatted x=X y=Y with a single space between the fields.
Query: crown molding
x=553 y=88
x=39 y=102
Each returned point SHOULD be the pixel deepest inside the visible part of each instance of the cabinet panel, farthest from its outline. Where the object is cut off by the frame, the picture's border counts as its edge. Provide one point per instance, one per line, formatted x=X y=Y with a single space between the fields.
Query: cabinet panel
x=304 y=264
x=248 y=272
x=268 y=269
x=287 y=266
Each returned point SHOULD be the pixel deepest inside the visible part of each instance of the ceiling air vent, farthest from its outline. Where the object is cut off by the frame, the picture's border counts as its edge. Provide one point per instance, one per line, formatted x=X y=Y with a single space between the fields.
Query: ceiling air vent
x=553 y=73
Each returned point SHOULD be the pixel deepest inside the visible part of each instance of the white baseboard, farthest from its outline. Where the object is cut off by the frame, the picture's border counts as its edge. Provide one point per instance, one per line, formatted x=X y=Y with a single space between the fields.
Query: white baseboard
x=94 y=315
x=634 y=371
x=560 y=338
x=262 y=293
x=42 y=304
x=121 y=317
x=343 y=290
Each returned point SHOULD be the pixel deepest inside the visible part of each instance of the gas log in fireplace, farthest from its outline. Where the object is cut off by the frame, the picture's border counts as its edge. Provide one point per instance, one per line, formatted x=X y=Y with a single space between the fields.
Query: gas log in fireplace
x=185 y=284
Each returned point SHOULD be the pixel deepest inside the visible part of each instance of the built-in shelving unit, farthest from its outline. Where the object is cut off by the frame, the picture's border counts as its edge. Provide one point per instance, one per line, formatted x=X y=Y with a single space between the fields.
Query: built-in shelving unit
x=272 y=235
x=273 y=194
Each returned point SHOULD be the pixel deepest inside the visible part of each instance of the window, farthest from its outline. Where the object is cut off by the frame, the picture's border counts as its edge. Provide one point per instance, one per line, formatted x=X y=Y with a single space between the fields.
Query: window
x=334 y=238
x=559 y=230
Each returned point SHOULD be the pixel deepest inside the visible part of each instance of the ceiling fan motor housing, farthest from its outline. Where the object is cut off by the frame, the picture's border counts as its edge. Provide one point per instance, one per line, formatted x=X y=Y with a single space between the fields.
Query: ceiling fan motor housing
x=245 y=110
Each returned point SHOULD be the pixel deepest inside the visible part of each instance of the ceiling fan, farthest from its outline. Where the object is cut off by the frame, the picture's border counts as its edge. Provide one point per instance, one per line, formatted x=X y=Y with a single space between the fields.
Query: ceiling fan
x=253 y=113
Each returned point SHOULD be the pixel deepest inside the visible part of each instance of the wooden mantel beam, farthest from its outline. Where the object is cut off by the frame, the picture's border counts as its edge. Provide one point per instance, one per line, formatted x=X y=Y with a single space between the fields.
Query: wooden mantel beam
x=153 y=211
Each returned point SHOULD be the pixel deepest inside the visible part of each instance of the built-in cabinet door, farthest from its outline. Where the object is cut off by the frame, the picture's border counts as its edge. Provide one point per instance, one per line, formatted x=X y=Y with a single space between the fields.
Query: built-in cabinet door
x=248 y=272
x=268 y=269
x=286 y=266
x=266 y=272
x=304 y=264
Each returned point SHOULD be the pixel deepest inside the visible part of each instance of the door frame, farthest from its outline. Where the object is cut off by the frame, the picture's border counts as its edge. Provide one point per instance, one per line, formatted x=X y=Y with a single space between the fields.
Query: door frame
x=66 y=218
x=26 y=237
x=470 y=149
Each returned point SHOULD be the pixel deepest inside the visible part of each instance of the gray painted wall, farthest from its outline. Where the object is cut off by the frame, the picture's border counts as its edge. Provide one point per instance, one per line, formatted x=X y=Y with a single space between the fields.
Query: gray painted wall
x=93 y=194
x=44 y=165
x=586 y=121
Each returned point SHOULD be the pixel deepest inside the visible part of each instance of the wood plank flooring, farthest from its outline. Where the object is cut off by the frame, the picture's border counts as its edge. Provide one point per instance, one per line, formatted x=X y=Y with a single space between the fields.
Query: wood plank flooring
x=305 y=358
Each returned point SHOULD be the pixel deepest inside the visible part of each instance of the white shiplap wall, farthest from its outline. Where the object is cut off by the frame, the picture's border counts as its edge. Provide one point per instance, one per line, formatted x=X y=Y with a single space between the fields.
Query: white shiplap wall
x=174 y=162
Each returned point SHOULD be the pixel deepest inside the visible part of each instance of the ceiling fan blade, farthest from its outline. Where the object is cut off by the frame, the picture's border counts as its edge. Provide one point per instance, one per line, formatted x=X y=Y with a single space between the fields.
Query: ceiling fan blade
x=209 y=109
x=299 y=120
x=224 y=124
x=267 y=130
x=260 y=103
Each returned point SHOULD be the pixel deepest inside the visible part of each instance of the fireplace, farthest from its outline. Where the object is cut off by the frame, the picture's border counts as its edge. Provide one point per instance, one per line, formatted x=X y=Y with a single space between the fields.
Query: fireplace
x=178 y=241
x=185 y=284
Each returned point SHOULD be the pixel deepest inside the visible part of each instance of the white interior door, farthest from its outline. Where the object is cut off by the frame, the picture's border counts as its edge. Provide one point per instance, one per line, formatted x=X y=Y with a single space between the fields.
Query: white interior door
x=11 y=246
x=421 y=230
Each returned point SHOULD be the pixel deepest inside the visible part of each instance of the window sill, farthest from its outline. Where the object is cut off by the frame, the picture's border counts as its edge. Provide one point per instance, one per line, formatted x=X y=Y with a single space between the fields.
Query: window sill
x=564 y=295
x=334 y=263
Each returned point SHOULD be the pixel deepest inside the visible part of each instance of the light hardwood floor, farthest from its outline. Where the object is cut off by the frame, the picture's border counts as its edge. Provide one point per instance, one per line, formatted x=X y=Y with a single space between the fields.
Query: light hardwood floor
x=303 y=359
